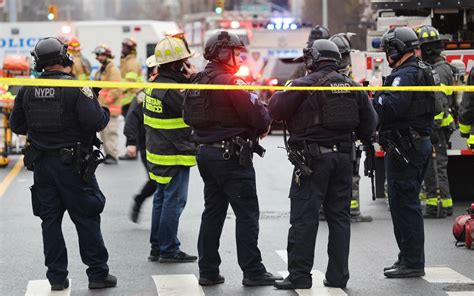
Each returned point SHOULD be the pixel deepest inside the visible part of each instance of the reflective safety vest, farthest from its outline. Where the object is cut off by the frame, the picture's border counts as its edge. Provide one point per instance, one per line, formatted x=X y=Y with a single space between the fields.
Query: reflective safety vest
x=169 y=143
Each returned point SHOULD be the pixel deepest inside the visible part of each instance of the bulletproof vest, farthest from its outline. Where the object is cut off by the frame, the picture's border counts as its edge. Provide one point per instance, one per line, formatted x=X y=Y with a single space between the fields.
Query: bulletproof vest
x=334 y=109
x=45 y=109
x=423 y=103
x=203 y=109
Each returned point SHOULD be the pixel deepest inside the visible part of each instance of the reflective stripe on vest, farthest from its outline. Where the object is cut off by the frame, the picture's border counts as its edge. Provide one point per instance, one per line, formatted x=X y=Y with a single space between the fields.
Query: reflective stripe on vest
x=354 y=204
x=159 y=179
x=445 y=202
x=173 y=123
x=464 y=129
x=171 y=160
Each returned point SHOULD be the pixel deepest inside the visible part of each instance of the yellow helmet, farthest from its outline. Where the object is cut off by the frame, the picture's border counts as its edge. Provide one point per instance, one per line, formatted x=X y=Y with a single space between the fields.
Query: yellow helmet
x=169 y=49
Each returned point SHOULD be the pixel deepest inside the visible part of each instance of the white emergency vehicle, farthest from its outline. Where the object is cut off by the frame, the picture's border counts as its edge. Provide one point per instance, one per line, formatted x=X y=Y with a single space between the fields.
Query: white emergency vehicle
x=21 y=37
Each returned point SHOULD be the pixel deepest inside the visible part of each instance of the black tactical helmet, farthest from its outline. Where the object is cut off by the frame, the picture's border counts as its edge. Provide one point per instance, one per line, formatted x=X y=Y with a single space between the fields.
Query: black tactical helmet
x=220 y=45
x=321 y=50
x=344 y=45
x=318 y=32
x=50 y=51
x=398 y=41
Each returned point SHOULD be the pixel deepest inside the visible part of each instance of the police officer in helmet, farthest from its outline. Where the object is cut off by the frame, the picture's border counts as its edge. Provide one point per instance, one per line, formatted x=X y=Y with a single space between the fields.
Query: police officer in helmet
x=318 y=32
x=406 y=123
x=61 y=125
x=436 y=179
x=321 y=125
x=342 y=40
x=227 y=125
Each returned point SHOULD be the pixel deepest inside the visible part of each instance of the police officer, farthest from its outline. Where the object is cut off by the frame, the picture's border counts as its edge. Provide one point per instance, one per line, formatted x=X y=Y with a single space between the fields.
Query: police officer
x=227 y=125
x=466 y=113
x=318 y=32
x=406 y=122
x=320 y=145
x=436 y=178
x=56 y=120
x=342 y=40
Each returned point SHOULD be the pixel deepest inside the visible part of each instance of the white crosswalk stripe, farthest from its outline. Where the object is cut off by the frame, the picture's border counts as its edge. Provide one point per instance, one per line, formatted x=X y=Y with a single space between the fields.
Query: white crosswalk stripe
x=43 y=288
x=460 y=293
x=318 y=288
x=177 y=285
x=445 y=275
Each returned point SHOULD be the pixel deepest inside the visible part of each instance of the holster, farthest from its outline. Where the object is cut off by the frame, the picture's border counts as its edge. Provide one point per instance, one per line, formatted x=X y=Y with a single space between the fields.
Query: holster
x=31 y=155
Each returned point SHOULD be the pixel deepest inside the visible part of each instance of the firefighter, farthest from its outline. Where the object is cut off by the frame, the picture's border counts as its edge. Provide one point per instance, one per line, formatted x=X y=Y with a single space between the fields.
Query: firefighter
x=131 y=70
x=321 y=137
x=81 y=69
x=318 y=32
x=342 y=40
x=436 y=182
x=170 y=150
x=109 y=97
x=227 y=125
x=466 y=114
x=406 y=121
x=61 y=124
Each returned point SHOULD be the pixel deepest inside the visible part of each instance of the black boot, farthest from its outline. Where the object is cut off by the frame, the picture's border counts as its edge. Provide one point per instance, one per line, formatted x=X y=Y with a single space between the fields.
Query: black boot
x=288 y=284
x=154 y=254
x=136 y=208
x=109 y=282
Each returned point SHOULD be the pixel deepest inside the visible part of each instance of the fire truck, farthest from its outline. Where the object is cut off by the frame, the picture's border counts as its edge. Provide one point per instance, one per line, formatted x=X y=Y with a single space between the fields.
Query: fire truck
x=455 y=21
x=265 y=35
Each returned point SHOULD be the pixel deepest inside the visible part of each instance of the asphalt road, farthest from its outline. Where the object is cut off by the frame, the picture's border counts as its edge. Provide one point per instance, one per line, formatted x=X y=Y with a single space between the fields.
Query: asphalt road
x=372 y=244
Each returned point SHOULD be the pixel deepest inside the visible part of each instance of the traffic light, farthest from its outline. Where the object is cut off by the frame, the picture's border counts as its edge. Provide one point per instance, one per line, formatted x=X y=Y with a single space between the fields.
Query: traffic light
x=52 y=12
x=220 y=4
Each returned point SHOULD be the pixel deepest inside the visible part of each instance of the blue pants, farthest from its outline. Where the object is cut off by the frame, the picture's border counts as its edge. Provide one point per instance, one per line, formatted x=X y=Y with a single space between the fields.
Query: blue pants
x=404 y=185
x=168 y=204
x=57 y=188
x=330 y=186
x=226 y=181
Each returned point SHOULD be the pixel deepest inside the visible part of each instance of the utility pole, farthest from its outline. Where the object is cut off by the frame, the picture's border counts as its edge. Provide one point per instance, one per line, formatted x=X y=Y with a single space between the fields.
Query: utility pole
x=12 y=11
x=325 y=13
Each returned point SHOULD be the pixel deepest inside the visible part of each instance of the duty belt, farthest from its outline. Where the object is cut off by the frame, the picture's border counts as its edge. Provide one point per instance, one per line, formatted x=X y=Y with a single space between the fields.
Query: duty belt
x=244 y=148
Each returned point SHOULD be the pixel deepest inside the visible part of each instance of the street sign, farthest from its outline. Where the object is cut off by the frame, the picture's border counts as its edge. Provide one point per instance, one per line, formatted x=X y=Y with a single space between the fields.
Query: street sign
x=257 y=8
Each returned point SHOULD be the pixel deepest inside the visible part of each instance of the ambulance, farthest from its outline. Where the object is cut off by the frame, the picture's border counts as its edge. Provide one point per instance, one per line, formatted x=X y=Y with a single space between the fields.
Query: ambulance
x=21 y=37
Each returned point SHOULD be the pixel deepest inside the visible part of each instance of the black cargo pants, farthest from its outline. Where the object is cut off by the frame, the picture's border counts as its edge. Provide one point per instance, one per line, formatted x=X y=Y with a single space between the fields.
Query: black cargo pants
x=227 y=182
x=57 y=188
x=330 y=186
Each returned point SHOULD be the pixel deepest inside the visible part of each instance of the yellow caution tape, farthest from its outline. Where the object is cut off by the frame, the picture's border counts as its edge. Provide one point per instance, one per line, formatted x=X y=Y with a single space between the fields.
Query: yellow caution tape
x=123 y=84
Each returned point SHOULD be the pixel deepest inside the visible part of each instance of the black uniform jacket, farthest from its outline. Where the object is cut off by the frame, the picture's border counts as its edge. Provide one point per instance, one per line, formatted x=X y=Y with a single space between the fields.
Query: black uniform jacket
x=88 y=117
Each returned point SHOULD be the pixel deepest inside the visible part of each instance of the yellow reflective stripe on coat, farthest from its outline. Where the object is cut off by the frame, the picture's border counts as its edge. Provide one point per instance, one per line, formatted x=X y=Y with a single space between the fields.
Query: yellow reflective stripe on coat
x=439 y=116
x=447 y=121
x=158 y=123
x=131 y=76
x=464 y=129
x=160 y=179
x=354 y=204
x=445 y=202
x=470 y=142
x=171 y=160
x=447 y=92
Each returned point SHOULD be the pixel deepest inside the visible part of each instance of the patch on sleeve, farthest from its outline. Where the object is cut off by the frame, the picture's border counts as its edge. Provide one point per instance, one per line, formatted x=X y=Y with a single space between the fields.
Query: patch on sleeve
x=239 y=81
x=87 y=92
x=396 y=81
